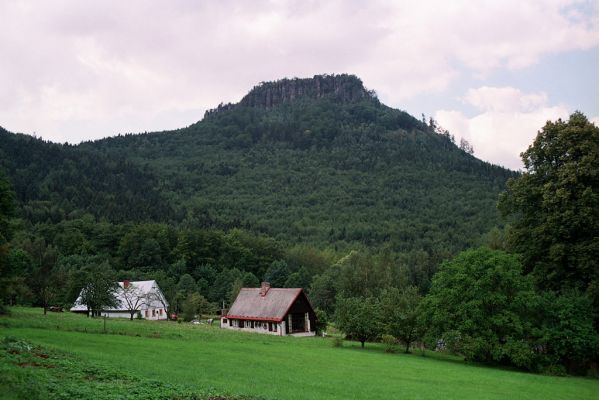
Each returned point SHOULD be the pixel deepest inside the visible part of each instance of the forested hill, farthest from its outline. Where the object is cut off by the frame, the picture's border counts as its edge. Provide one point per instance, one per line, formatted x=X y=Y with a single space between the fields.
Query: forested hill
x=317 y=160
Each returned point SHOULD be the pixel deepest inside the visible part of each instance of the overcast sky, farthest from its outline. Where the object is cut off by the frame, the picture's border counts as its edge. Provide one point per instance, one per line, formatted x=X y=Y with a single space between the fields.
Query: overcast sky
x=490 y=71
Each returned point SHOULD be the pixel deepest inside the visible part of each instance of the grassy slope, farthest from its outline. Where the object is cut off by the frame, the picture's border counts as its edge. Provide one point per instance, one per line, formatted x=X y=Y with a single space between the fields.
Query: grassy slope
x=282 y=368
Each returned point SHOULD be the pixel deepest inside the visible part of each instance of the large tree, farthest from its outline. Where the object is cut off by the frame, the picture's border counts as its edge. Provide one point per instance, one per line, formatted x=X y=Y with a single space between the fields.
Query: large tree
x=480 y=306
x=555 y=207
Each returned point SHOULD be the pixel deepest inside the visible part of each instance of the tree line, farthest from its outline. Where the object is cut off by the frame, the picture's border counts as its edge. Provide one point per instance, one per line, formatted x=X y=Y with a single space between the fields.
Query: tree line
x=531 y=301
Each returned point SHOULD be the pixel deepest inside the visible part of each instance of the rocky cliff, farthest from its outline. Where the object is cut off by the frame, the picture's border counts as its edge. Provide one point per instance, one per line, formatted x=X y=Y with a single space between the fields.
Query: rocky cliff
x=345 y=88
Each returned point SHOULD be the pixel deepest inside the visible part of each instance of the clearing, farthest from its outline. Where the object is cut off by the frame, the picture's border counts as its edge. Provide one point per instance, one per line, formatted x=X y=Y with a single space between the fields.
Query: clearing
x=184 y=360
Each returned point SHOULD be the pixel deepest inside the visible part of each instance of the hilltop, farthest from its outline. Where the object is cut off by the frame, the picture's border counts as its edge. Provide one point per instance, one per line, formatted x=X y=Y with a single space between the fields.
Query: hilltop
x=318 y=160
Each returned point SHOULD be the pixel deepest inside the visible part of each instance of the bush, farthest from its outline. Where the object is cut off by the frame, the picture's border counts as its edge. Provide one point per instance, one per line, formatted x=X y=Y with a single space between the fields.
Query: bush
x=321 y=321
x=390 y=343
x=337 y=342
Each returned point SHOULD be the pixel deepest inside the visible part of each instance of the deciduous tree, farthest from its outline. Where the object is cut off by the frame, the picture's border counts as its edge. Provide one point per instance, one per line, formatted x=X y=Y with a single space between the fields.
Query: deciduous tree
x=400 y=310
x=100 y=288
x=133 y=297
x=359 y=318
x=554 y=206
x=480 y=306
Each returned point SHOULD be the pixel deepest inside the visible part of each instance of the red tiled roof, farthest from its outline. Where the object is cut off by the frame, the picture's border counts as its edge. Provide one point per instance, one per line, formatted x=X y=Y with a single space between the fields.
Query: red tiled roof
x=249 y=304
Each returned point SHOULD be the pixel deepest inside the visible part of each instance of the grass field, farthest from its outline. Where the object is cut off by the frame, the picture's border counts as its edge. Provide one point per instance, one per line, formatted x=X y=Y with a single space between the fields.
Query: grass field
x=179 y=359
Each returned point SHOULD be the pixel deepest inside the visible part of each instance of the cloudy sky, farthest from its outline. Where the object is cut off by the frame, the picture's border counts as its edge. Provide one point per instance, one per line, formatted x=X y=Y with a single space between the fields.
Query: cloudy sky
x=490 y=71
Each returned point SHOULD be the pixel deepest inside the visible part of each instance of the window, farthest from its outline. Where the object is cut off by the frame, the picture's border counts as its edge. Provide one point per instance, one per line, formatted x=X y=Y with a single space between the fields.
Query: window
x=147 y=313
x=224 y=320
x=160 y=311
x=153 y=312
x=230 y=322
x=275 y=327
x=252 y=324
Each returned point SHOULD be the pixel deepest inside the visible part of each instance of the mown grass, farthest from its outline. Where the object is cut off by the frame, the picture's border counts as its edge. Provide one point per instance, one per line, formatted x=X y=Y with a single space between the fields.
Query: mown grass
x=201 y=358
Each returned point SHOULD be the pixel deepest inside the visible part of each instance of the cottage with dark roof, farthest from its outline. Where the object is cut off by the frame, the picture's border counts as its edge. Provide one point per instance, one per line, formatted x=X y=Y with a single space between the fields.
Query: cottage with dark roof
x=274 y=311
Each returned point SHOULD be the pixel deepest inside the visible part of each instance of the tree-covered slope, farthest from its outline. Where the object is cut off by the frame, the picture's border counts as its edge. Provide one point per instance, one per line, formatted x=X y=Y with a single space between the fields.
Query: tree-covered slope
x=53 y=182
x=317 y=160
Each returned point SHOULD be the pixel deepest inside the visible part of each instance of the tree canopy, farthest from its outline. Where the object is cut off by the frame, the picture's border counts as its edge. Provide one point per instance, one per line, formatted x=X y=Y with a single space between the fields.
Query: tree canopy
x=359 y=318
x=554 y=208
x=478 y=306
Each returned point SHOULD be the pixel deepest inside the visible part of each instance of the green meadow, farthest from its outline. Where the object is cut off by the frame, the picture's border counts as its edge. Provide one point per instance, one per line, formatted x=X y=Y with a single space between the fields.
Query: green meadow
x=76 y=356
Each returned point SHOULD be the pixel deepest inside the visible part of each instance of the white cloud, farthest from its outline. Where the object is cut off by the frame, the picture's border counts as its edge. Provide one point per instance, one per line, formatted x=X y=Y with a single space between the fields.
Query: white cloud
x=74 y=70
x=504 y=99
x=507 y=122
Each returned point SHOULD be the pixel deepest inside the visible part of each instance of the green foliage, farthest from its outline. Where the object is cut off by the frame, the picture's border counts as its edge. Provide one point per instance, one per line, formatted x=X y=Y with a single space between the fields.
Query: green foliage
x=400 y=311
x=7 y=205
x=277 y=273
x=390 y=343
x=323 y=291
x=322 y=321
x=99 y=288
x=281 y=191
x=333 y=171
x=554 y=207
x=6 y=211
x=480 y=305
x=359 y=318
x=195 y=305
x=568 y=333
x=187 y=285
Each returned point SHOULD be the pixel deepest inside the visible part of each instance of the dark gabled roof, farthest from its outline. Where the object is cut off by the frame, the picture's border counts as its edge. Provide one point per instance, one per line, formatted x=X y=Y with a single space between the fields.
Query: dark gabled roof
x=273 y=306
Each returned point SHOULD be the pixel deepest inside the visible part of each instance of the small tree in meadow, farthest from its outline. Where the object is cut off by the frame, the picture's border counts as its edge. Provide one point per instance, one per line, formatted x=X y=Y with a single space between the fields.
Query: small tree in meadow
x=99 y=290
x=359 y=318
x=195 y=305
x=400 y=309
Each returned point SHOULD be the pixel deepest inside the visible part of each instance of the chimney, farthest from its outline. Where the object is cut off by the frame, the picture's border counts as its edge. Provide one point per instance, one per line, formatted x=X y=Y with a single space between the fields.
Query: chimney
x=264 y=288
x=125 y=284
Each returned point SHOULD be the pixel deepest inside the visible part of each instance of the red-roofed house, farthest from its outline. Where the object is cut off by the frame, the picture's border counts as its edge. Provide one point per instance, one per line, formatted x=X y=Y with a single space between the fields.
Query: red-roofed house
x=271 y=310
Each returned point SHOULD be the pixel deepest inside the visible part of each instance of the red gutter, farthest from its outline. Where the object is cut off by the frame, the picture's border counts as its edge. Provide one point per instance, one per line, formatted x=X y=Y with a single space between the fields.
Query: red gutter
x=252 y=318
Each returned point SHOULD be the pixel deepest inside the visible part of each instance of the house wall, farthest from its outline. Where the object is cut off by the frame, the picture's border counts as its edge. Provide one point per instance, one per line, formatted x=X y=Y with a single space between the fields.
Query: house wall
x=145 y=314
x=258 y=326
x=111 y=314
x=154 y=314
x=261 y=327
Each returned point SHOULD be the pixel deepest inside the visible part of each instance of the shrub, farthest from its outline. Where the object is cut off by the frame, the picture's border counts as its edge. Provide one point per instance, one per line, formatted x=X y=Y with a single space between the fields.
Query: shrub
x=337 y=342
x=390 y=343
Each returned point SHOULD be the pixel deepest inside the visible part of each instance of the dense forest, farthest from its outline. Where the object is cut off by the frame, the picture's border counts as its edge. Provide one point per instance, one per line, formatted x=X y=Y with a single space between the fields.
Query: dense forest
x=315 y=164
x=309 y=183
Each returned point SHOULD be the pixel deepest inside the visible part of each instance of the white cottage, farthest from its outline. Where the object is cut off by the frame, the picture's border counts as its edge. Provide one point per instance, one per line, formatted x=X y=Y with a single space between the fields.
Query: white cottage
x=142 y=299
